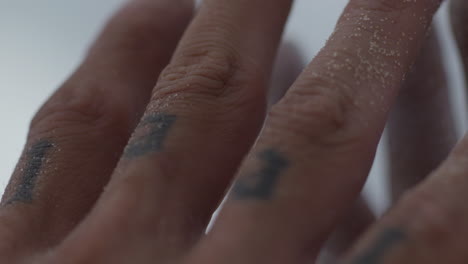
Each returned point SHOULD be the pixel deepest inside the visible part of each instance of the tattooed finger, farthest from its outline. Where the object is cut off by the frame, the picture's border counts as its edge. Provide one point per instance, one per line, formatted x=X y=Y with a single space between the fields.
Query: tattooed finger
x=77 y=137
x=327 y=128
x=428 y=225
x=35 y=158
x=204 y=115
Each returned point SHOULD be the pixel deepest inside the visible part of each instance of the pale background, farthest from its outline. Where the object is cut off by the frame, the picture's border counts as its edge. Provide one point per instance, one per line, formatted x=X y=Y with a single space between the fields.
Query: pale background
x=41 y=42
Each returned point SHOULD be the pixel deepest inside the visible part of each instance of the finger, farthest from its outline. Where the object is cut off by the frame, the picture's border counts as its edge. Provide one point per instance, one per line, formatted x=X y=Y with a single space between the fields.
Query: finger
x=421 y=128
x=350 y=228
x=428 y=225
x=317 y=147
x=205 y=112
x=289 y=64
x=78 y=135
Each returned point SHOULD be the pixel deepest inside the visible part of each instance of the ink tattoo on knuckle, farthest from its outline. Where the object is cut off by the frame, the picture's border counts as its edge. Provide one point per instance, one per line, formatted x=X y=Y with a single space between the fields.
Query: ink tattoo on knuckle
x=261 y=184
x=35 y=158
x=155 y=128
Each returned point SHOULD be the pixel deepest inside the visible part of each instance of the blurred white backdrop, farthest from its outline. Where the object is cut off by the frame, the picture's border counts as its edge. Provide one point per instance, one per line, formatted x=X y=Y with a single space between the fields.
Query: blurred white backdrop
x=41 y=43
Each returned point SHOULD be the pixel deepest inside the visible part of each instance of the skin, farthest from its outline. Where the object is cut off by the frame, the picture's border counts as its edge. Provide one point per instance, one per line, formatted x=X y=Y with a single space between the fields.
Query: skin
x=384 y=243
x=36 y=157
x=261 y=184
x=116 y=182
x=436 y=231
x=359 y=218
x=157 y=126
x=421 y=129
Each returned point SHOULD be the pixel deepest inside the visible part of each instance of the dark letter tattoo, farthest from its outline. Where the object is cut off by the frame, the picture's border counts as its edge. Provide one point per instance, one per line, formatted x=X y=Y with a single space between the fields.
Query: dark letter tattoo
x=386 y=241
x=155 y=128
x=35 y=158
x=260 y=185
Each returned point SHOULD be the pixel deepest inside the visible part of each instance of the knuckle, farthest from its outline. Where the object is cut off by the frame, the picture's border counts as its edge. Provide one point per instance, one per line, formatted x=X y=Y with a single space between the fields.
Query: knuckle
x=208 y=76
x=429 y=220
x=75 y=111
x=318 y=113
x=211 y=75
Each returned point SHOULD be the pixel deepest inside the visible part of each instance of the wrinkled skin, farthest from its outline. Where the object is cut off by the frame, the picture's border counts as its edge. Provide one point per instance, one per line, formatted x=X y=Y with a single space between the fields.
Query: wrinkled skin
x=171 y=108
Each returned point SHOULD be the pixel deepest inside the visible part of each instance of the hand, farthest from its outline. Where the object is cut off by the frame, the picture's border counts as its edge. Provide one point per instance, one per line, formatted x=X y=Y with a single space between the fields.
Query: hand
x=81 y=194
